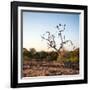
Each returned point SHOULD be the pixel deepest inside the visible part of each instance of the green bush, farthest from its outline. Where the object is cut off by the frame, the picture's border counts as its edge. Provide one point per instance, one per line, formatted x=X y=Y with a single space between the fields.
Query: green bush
x=70 y=56
x=26 y=58
x=52 y=56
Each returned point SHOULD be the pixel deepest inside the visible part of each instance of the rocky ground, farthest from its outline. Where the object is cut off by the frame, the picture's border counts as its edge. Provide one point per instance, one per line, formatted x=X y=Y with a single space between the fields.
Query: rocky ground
x=33 y=68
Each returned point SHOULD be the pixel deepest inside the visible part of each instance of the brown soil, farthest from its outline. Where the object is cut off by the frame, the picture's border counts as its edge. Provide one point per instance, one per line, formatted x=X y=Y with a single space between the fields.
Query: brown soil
x=34 y=68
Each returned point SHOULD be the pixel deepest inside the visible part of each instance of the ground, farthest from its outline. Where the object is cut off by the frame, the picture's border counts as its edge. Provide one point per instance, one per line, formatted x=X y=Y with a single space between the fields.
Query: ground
x=33 y=68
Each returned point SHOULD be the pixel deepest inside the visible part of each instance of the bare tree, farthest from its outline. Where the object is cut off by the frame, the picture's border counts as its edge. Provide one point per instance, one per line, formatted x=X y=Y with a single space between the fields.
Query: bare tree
x=51 y=39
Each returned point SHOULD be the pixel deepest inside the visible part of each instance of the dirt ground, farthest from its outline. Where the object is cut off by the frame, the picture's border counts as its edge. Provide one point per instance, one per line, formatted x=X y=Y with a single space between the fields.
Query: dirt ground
x=34 y=68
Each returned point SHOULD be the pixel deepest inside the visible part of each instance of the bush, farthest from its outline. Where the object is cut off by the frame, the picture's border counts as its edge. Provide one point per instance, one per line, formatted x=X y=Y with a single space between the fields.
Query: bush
x=52 y=56
x=42 y=54
x=37 y=55
x=26 y=58
x=70 y=56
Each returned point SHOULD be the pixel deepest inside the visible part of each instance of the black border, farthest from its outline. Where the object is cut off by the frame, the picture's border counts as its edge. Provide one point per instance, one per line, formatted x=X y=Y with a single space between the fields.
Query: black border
x=14 y=44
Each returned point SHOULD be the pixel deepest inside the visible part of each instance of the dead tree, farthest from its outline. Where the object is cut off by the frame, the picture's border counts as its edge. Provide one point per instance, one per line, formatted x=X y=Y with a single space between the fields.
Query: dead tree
x=51 y=39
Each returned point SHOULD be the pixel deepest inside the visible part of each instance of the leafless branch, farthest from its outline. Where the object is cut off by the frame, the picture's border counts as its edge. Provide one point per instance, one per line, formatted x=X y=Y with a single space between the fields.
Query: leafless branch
x=51 y=38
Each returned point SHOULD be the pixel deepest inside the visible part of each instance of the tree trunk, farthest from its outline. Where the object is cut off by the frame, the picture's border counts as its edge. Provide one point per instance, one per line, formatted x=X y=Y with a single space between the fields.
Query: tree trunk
x=60 y=55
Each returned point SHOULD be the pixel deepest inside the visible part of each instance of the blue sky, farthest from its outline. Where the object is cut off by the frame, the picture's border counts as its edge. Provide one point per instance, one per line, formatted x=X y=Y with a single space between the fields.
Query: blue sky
x=37 y=23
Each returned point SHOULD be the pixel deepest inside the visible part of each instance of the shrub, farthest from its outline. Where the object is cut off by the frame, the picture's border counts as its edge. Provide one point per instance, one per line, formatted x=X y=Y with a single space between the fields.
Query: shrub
x=52 y=56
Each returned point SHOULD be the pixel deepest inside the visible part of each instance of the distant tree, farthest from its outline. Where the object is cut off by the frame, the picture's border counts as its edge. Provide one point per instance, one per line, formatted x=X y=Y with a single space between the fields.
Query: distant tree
x=25 y=52
x=37 y=55
x=32 y=50
x=52 y=55
x=43 y=54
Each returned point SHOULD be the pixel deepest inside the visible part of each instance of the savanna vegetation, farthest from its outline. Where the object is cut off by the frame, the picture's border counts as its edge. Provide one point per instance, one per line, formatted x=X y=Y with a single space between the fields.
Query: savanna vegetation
x=32 y=54
x=48 y=63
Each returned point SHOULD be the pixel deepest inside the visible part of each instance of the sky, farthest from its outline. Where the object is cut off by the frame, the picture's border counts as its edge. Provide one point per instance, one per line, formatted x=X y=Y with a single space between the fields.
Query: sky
x=35 y=24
